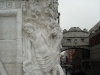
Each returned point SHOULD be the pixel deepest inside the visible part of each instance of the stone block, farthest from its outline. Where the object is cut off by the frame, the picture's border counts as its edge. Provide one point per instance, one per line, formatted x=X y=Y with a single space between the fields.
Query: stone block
x=8 y=28
x=11 y=68
x=8 y=51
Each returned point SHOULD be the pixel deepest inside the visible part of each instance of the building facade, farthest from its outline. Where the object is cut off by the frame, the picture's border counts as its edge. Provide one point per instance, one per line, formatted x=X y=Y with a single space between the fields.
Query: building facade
x=70 y=53
x=81 y=59
x=95 y=49
x=76 y=44
x=75 y=37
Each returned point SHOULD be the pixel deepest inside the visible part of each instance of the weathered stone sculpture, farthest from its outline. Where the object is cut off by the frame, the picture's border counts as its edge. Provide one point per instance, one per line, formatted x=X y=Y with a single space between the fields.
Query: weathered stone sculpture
x=43 y=36
x=29 y=37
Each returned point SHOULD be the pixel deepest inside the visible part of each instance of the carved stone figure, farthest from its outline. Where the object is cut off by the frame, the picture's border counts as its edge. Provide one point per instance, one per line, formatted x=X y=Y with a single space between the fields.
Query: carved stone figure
x=45 y=57
x=41 y=39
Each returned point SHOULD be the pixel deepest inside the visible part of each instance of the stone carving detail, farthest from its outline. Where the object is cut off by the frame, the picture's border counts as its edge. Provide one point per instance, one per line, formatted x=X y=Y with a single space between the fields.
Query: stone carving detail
x=45 y=54
x=18 y=4
x=9 y=4
x=24 y=7
x=41 y=39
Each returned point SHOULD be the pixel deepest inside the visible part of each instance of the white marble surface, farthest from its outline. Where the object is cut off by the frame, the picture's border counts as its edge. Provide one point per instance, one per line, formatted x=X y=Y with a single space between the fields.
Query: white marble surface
x=10 y=37
x=30 y=37
x=42 y=38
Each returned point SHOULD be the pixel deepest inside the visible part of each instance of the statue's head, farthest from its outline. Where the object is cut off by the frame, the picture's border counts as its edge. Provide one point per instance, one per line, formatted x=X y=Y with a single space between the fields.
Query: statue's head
x=28 y=27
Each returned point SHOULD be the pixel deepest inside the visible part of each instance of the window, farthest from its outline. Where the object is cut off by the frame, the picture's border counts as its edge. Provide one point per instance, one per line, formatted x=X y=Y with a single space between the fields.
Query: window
x=82 y=40
x=68 y=40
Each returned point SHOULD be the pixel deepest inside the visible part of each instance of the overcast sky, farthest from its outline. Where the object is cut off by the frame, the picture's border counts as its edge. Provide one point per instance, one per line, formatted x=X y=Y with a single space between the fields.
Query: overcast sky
x=79 y=13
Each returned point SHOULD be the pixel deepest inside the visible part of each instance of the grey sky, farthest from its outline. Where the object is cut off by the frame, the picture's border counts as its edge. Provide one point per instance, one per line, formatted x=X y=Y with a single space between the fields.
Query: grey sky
x=79 y=13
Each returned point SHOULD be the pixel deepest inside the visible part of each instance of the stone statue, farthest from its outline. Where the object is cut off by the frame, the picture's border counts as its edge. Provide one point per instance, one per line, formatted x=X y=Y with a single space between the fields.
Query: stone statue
x=42 y=40
x=30 y=38
x=46 y=59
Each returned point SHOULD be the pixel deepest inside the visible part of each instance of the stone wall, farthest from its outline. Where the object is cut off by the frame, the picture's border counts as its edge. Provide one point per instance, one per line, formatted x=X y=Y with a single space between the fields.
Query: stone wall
x=11 y=37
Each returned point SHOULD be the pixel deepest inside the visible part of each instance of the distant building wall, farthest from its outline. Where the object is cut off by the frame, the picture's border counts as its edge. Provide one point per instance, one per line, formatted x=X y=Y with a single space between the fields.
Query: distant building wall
x=75 y=37
x=81 y=59
x=70 y=53
x=95 y=49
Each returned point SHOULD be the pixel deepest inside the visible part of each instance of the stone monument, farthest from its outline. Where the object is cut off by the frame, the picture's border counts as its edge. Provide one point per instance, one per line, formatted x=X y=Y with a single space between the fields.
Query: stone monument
x=30 y=38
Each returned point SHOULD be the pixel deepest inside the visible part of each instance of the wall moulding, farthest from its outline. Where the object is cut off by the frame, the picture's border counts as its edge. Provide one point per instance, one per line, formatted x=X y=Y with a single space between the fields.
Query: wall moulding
x=8 y=12
x=10 y=4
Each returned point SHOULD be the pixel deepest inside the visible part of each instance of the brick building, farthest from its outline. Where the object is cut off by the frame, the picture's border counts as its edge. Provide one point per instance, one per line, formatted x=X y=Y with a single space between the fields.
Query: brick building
x=81 y=59
x=95 y=49
x=70 y=53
